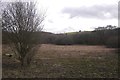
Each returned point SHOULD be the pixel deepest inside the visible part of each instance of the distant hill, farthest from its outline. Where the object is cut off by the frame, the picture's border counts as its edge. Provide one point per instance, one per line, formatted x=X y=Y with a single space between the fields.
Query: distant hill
x=108 y=37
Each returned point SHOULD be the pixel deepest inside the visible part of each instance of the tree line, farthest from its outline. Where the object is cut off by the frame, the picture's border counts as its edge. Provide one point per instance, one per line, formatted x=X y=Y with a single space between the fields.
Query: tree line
x=108 y=36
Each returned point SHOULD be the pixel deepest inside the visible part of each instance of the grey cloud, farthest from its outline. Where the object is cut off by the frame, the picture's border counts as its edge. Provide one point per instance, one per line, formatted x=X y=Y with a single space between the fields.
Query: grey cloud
x=96 y=11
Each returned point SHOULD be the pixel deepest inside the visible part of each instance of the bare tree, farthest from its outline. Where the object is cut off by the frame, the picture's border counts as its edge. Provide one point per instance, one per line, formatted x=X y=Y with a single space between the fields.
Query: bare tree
x=20 y=20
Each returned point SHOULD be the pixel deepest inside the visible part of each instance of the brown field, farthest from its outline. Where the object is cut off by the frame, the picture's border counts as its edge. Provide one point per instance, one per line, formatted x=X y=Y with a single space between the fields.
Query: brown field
x=73 y=61
x=74 y=51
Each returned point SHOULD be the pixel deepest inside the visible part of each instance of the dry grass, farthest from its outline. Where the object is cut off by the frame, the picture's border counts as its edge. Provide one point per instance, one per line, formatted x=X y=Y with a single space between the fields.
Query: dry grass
x=74 y=61
x=74 y=51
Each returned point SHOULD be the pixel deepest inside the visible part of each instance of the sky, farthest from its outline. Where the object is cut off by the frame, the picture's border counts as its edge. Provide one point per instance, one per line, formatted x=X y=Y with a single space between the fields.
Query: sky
x=74 y=15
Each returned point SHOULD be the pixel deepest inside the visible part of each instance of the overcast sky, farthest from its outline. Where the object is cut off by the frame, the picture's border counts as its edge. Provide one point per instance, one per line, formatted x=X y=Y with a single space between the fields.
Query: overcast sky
x=74 y=15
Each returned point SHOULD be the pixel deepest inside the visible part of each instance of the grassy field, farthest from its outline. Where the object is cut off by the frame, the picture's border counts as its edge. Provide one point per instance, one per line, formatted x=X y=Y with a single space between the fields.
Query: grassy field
x=74 y=61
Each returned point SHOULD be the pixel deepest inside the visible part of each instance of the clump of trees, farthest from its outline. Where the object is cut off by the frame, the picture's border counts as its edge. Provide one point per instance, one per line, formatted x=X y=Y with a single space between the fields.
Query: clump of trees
x=63 y=39
x=20 y=22
x=107 y=36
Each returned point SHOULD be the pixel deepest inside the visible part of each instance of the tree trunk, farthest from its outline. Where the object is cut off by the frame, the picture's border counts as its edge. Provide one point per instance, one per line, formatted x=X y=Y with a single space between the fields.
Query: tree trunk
x=25 y=62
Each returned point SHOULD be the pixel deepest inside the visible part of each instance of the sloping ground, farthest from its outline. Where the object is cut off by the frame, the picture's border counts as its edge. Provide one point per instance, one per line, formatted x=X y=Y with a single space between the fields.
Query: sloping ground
x=76 y=61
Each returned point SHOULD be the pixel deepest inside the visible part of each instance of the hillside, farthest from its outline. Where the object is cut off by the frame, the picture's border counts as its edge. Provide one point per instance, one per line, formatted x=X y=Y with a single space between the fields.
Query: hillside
x=107 y=37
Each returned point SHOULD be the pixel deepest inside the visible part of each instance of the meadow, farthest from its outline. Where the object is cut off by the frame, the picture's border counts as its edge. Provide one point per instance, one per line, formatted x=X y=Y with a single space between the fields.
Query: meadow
x=64 y=61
